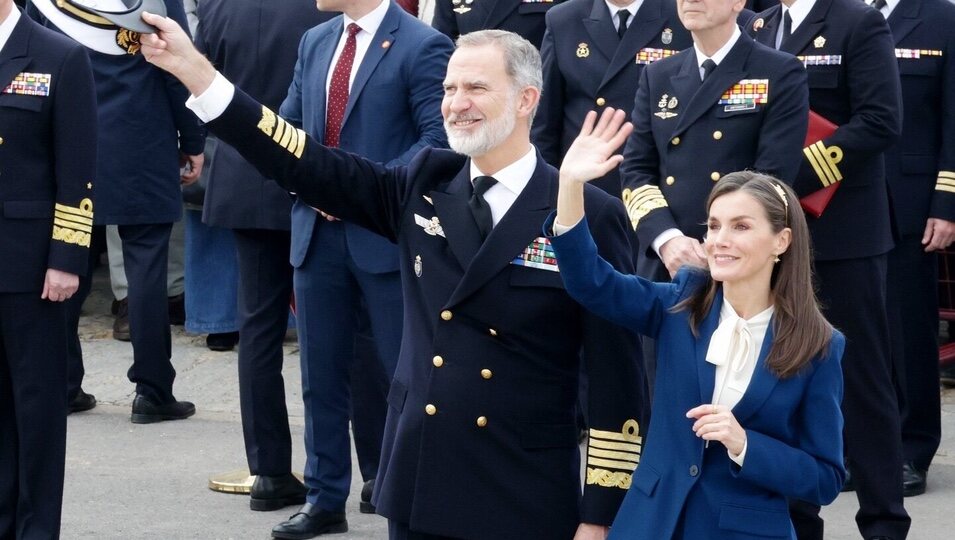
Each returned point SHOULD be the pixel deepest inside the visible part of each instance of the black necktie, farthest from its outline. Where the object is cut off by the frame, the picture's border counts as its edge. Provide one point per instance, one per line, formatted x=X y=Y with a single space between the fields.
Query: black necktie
x=479 y=207
x=622 y=17
x=708 y=66
x=879 y=4
x=788 y=27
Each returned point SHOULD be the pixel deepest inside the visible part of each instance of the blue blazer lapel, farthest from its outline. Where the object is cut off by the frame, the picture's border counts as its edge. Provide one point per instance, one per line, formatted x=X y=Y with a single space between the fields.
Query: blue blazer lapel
x=760 y=386
x=600 y=28
x=376 y=51
x=904 y=19
x=706 y=371
x=729 y=72
x=767 y=34
x=645 y=26
x=325 y=50
x=809 y=29
x=13 y=57
x=452 y=209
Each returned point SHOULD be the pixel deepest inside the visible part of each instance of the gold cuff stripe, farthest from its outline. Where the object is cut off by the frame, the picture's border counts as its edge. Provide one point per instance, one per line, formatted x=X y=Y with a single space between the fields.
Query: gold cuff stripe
x=267 y=122
x=300 y=147
x=605 y=478
x=628 y=466
x=946 y=174
x=639 y=199
x=621 y=446
x=946 y=181
x=629 y=433
x=85 y=209
x=625 y=456
x=949 y=189
x=71 y=225
x=287 y=136
x=72 y=217
x=819 y=164
x=69 y=236
x=279 y=130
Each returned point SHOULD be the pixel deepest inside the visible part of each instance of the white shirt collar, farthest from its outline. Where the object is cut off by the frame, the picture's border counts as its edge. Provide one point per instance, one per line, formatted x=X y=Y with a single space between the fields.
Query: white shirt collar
x=515 y=176
x=6 y=27
x=719 y=55
x=798 y=12
x=889 y=7
x=372 y=20
x=632 y=7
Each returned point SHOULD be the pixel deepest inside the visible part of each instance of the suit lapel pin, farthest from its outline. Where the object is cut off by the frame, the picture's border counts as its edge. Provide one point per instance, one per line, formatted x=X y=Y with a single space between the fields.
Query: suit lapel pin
x=385 y=44
x=462 y=6
x=583 y=50
x=667 y=36
x=428 y=200
x=666 y=104
x=819 y=42
x=757 y=24
x=431 y=226
x=417 y=265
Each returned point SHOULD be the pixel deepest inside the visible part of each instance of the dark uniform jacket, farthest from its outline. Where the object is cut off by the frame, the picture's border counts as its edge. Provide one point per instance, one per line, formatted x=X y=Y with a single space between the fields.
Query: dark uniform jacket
x=481 y=439
x=920 y=168
x=587 y=67
x=237 y=196
x=853 y=83
x=47 y=109
x=523 y=17
x=687 y=134
x=143 y=125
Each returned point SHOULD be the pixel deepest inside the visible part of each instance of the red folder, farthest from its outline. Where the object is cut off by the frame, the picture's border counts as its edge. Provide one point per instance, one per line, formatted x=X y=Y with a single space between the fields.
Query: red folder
x=815 y=203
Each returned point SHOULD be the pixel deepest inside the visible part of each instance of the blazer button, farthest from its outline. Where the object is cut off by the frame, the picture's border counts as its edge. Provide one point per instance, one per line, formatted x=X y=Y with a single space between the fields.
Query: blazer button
x=446 y=315
x=486 y=373
x=670 y=180
x=717 y=135
x=694 y=470
x=481 y=421
x=437 y=361
x=714 y=176
x=675 y=141
x=601 y=102
x=430 y=409
x=1 y=140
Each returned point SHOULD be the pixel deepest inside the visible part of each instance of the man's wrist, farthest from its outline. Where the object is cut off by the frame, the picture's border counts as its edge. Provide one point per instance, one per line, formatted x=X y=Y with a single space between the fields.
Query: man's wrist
x=197 y=75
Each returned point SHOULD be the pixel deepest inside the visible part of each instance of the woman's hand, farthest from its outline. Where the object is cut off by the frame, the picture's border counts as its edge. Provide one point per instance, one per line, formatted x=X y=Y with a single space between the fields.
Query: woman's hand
x=717 y=423
x=592 y=153
x=587 y=531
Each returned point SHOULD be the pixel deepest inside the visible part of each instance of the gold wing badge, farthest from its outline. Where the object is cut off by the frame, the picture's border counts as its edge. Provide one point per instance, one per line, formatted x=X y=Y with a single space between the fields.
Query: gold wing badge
x=667 y=105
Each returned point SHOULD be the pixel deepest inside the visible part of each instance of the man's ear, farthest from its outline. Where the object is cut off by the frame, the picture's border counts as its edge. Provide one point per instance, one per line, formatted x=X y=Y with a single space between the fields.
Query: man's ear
x=530 y=97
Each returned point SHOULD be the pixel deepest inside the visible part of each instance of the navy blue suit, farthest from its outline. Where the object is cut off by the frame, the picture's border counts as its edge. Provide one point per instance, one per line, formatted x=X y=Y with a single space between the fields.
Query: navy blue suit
x=237 y=37
x=393 y=111
x=920 y=170
x=685 y=489
x=523 y=17
x=604 y=73
x=48 y=157
x=481 y=440
x=854 y=83
x=685 y=137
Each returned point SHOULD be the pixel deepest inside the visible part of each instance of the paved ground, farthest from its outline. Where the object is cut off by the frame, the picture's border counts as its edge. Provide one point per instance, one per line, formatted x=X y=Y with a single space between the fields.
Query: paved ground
x=126 y=481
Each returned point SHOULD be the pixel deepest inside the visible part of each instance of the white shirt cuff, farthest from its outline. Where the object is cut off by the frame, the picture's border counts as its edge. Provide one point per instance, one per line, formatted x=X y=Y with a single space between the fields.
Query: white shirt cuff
x=561 y=229
x=213 y=102
x=663 y=238
x=742 y=455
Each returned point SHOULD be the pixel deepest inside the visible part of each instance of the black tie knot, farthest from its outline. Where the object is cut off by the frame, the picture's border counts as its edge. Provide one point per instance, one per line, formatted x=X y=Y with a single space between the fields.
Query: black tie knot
x=482 y=184
x=879 y=4
x=622 y=16
x=708 y=66
x=479 y=207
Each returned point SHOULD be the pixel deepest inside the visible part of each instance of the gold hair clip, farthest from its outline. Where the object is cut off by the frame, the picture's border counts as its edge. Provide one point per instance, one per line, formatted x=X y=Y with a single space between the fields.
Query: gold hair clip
x=782 y=195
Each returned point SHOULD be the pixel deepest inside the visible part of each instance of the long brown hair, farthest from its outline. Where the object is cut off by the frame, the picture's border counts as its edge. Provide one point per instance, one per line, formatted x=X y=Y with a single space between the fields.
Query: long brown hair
x=800 y=332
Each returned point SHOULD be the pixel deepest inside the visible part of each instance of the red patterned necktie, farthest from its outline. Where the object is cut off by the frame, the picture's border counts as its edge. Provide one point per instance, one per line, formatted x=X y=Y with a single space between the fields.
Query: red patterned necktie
x=411 y=6
x=338 y=89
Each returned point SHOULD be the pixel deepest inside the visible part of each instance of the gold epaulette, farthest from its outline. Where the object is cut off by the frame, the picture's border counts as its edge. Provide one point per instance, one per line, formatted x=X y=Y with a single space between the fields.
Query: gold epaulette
x=642 y=201
x=824 y=160
x=73 y=225
x=945 y=182
x=612 y=456
x=283 y=133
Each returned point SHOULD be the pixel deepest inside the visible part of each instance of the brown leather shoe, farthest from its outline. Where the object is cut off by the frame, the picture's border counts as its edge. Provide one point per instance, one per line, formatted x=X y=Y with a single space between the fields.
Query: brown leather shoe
x=121 y=322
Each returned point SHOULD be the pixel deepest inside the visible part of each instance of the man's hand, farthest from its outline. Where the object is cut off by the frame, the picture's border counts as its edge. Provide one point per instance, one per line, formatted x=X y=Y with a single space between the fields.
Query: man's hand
x=172 y=50
x=682 y=250
x=193 y=165
x=939 y=234
x=326 y=215
x=588 y=531
x=59 y=286
x=717 y=423
x=592 y=153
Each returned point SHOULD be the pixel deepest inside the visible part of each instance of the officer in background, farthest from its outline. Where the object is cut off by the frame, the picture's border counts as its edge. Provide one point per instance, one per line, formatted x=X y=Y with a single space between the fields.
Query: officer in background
x=593 y=54
x=854 y=84
x=47 y=162
x=724 y=105
x=920 y=170
x=523 y=17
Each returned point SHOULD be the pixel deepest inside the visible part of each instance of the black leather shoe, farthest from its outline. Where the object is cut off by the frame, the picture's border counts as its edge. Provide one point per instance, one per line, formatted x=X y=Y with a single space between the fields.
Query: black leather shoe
x=849 y=485
x=121 y=322
x=274 y=492
x=82 y=402
x=223 y=342
x=913 y=480
x=364 y=505
x=177 y=309
x=147 y=412
x=947 y=376
x=310 y=522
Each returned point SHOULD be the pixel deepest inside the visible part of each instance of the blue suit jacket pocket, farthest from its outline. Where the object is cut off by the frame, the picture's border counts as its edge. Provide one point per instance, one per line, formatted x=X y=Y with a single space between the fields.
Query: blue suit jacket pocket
x=823 y=77
x=28 y=209
x=759 y=522
x=25 y=102
x=523 y=276
x=646 y=480
x=548 y=435
x=397 y=395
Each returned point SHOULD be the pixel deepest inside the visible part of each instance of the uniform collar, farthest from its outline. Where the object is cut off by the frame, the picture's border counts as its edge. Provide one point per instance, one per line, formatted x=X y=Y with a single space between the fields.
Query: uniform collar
x=719 y=55
x=516 y=175
x=372 y=20
x=798 y=11
x=6 y=27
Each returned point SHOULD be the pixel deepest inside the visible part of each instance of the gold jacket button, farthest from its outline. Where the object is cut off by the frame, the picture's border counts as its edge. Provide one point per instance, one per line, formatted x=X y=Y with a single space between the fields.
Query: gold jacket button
x=714 y=176
x=481 y=421
x=601 y=102
x=1 y=140
x=675 y=141
x=446 y=315
x=492 y=331
x=670 y=180
x=437 y=361
x=717 y=134
x=486 y=373
x=430 y=409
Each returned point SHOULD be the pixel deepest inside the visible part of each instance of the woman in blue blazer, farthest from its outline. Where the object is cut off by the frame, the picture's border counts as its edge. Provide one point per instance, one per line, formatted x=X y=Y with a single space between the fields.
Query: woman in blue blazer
x=746 y=410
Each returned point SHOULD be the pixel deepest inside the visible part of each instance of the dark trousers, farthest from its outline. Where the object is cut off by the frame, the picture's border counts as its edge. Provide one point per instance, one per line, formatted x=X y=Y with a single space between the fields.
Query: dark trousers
x=73 y=308
x=265 y=288
x=400 y=531
x=145 y=255
x=913 y=329
x=852 y=293
x=32 y=416
x=329 y=289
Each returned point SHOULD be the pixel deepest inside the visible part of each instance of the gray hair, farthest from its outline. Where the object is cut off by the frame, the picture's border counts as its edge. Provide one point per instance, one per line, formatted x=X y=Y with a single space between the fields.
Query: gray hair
x=522 y=61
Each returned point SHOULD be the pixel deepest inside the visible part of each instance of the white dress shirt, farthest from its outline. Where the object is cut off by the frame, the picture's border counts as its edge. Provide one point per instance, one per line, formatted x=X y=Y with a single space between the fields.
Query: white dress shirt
x=632 y=7
x=369 y=25
x=6 y=27
x=798 y=12
x=511 y=181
